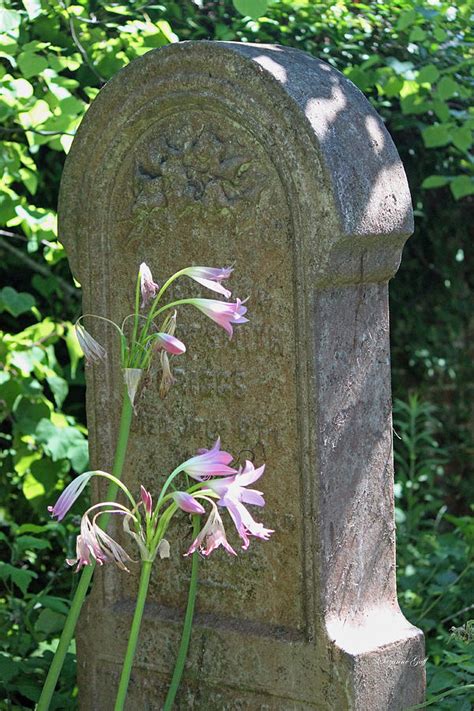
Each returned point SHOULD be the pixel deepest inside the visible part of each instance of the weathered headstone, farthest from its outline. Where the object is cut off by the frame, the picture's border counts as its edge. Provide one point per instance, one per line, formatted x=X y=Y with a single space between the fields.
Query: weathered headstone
x=215 y=153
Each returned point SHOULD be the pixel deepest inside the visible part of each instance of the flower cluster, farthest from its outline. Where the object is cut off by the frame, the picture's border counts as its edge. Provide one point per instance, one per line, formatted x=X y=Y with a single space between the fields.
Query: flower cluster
x=218 y=486
x=148 y=336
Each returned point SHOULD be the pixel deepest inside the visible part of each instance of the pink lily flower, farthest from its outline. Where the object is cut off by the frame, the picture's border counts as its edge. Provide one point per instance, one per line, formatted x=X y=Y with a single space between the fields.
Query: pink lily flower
x=209 y=462
x=188 y=503
x=70 y=494
x=148 y=287
x=211 y=536
x=210 y=278
x=233 y=495
x=92 y=350
x=96 y=543
x=222 y=312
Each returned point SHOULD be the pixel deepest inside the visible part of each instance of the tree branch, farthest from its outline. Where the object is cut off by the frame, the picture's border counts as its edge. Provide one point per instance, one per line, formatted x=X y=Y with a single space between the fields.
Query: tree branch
x=34 y=266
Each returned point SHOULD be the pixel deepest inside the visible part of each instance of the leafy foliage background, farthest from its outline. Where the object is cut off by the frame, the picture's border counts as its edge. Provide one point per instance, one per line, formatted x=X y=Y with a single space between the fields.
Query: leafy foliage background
x=413 y=60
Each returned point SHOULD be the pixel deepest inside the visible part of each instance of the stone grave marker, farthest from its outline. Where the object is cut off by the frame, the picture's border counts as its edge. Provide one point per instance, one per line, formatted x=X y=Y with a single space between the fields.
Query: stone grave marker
x=213 y=153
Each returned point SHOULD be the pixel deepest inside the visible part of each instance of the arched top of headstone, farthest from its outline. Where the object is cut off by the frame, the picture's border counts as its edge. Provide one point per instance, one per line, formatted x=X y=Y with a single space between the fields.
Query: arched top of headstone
x=346 y=188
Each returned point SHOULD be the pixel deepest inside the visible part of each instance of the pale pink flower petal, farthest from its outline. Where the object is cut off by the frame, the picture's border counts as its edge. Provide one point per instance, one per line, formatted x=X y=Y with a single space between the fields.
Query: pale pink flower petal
x=222 y=312
x=211 y=536
x=212 y=462
x=232 y=493
x=111 y=548
x=251 y=496
x=210 y=278
x=249 y=474
x=244 y=523
x=188 y=503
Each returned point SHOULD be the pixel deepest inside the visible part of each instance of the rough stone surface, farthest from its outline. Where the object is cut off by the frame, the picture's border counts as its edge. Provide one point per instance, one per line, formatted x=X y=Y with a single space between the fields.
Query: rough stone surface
x=216 y=153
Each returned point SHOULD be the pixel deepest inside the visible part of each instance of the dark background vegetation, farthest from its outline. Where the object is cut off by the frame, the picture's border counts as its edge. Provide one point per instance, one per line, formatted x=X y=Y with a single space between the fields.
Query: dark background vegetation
x=413 y=60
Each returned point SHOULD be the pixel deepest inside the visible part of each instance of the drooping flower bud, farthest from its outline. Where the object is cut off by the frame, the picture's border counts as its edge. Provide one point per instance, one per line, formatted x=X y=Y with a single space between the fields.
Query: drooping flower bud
x=167 y=378
x=92 y=350
x=188 y=503
x=170 y=344
x=148 y=287
x=70 y=494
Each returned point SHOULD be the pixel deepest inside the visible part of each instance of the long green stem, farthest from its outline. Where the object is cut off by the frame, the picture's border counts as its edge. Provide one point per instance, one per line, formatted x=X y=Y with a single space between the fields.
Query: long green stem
x=188 y=623
x=65 y=640
x=134 y=633
x=86 y=575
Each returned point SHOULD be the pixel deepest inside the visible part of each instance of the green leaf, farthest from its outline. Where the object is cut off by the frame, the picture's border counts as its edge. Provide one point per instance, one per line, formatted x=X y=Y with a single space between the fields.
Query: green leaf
x=29 y=179
x=435 y=136
x=18 y=576
x=406 y=19
x=417 y=35
x=435 y=181
x=33 y=8
x=404 y=69
x=36 y=116
x=33 y=528
x=41 y=481
x=57 y=441
x=440 y=34
x=59 y=388
x=32 y=488
x=73 y=348
x=447 y=88
x=251 y=8
x=78 y=455
x=441 y=110
x=462 y=186
x=428 y=74
x=462 y=138
x=16 y=303
x=25 y=360
x=414 y=104
x=57 y=604
x=31 y=64
x=9 y=668
x=28 y=543
x=167 y=32
x=49 y=622
x=393 y=86
x=9 y=20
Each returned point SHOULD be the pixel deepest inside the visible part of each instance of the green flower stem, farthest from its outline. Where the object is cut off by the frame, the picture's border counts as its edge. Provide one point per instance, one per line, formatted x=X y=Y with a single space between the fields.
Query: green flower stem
x=188 y=623
x=134 y=633
x=65 y=640
x=86 y=575
x=155 y=303
x=136 y=315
